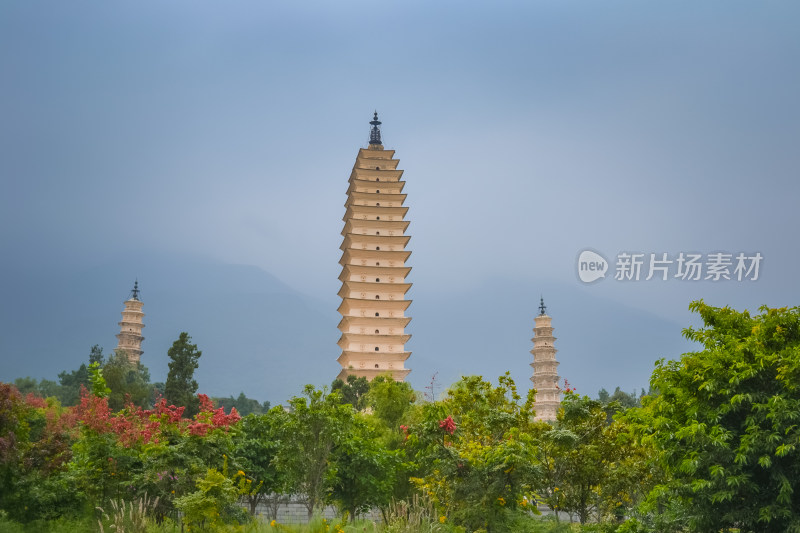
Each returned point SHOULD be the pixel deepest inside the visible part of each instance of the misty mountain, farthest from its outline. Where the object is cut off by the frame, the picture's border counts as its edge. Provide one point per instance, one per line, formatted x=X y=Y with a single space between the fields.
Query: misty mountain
x=264 y=338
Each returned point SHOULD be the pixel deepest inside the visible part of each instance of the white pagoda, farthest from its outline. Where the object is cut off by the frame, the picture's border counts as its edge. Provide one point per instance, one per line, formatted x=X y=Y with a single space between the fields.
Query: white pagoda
x=545 y=367
x=130 y=333
x=374 y=267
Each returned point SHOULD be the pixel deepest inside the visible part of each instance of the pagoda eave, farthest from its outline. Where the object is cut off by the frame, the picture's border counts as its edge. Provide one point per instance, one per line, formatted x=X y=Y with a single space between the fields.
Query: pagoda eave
x=351 y=254
x=371 y=271
x=349 y=304
x=365 y=338
x=349 y=357
x=395 y=187
x=354 y=224
x=359 y=196
x=355 y=240
x=356 y=211
x=349 y=287
x=373 y=322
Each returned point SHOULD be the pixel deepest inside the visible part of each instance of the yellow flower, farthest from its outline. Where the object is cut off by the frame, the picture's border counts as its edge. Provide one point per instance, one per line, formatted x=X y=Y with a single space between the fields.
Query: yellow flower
x=173 y=492
x=273 y=523
x=442 y=519
x=240 y=473
x=501 y=500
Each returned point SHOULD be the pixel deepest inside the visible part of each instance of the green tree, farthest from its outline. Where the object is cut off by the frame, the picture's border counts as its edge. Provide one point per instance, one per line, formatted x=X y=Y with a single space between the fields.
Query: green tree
x=353 y=391
x=98 y=382
x=474 y=452
x=244 y=405
x=578 y=455
x=27 y=385
x=128 y=381
x=390 y=400
x=71 y=383
x=256 y=447
x=364 y=470
x=726 y=421
x=96 y=354
x=315 y=424
x=181 y=388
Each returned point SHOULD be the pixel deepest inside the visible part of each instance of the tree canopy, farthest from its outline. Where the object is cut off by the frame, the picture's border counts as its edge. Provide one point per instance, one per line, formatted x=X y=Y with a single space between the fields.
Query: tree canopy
x=180 y=388
x=726 y=422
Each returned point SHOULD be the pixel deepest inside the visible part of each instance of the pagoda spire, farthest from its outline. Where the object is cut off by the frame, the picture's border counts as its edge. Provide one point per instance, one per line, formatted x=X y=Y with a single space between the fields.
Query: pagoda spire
x=135 y=291
x=374 y=271
x=375 y=132
x=545 y=367
x=130 y=328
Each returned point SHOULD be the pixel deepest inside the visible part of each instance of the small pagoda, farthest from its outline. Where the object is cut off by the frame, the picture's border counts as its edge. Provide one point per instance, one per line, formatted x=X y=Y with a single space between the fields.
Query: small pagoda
x=374 y=267
x=545 y=367
x=130 y=334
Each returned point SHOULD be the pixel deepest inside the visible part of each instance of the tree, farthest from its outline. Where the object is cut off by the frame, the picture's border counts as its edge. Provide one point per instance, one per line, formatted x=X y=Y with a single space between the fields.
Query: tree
x=71 y=383
x=390 y=400
x=180 y=388
x=96 y=354
x=726 y=421
x=474 y=451
x=315 y=424
x=256 y=447
x=353 y=391
x=98 y=382
x=244 y=405
x=592 y=466
x=364 y=470
x=128 y=381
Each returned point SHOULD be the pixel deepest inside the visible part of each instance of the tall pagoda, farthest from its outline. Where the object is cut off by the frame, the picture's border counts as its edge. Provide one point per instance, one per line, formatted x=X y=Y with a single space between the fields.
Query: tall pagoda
x=545 y=367
x=130 y=333
x=374 y=267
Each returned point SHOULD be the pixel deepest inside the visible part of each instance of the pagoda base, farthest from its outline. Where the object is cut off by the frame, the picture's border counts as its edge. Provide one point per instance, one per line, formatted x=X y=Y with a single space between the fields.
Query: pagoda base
x=372 y=373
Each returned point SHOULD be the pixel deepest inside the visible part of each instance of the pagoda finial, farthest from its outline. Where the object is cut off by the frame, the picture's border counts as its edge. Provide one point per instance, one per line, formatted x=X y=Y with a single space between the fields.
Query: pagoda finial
x=135 y=291
x=375 y=132
x=542 y=307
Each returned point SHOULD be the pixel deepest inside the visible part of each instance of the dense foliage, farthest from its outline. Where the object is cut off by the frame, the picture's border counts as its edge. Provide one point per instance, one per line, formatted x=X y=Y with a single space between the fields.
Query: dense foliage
x=713 y=447
x=727 y=425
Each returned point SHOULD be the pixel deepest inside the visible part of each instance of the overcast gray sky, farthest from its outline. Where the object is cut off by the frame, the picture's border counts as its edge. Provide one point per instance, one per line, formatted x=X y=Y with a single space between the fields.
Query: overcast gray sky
x=528 y=131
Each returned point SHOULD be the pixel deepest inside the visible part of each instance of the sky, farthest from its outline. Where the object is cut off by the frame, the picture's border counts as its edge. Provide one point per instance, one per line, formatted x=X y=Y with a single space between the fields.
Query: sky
x=528 y=132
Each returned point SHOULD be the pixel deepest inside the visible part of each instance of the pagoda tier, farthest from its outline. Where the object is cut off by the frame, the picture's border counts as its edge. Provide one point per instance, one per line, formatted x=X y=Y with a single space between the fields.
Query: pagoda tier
x=130 y=333
x=545 y=369
x=387 y=359
x=374 y=212
x=386 y=187
x=362 y=289
x=374 y=270
x=362 y=257
x=364 y=272
x=370 y=227
x=376 y=198
x=372 y=241
x=355 y=324
x=365 y=307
